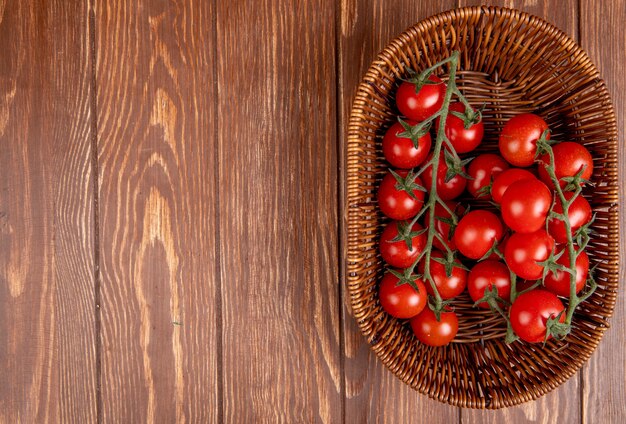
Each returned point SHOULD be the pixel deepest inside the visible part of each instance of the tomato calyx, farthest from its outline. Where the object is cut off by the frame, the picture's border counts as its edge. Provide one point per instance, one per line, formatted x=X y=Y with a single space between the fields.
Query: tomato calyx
x=406 y=277
x=414 y=132
x=555 y=328
x=471 y=116
x=551 y=265
x=438 y=307
x=406 y=234
x=420 y=79
x=450 y=262
x=572 y=183
x=582 y=234
x=456 y=166
x=407 y=183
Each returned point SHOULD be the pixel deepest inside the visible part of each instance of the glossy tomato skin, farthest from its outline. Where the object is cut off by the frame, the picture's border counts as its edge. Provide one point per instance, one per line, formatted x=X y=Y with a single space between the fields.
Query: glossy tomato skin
x=443 y=228
x=423 y=104
x=401 y=301
x=530 y=313
x=463 y=139
x=502 y=182
x=525 y=205
x=518 y=139
x=579 y=214
x=397 y=204
x=446 y=190
x=448 y=287
x=569 y=158
x=489 y=273
x=432 y=332
x=400 y=151
x=558 y=282
x=397 y=253
x=483 y=170
x=477 y=232
x=523 y=251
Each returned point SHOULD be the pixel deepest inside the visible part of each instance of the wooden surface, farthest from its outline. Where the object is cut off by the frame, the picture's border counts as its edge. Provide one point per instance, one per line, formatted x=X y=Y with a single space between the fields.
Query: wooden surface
x=171 y=214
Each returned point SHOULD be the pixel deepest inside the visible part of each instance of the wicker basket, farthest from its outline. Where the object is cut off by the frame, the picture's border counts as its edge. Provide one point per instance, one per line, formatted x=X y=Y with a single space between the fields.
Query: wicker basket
x=515 y=63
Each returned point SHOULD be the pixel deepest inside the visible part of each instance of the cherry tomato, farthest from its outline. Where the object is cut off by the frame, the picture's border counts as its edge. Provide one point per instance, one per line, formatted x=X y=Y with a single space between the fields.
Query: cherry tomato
x=397 y=253
x=421 y=104
x=443 y=228
x=518 y=139
x=523 y=251
x=569 y=158
x=463 y=139
x=400 y=151
x=447 y=286
x=401 y=301
x=446 y=190
x=477 y=232
x=432 y=332
x=579 y=214
x=525 y=205
x=489 y=274
x=484 y=169
x=396 y=203
x=530 y=313
x=502 y=182
x=558 y=282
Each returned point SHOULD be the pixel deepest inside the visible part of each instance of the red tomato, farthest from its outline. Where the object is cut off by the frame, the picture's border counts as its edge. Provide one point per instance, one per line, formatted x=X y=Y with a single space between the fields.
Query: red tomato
x=579 y=214
x=489 y=274
x=558 y=282
x=401 y=301
x=463 y=139
x=502 y=182
x=530 y=313
x=400 y=151
x=484 y=169
x=523 y=251
x=518 y=139
x=397 y=253
x=396 y=203
x=443 y=228
x=569 y=158
x=525 y=205
x=432 y=332
x=477 y=232
x=446 y=190
x=422 y=104
x=448 y=287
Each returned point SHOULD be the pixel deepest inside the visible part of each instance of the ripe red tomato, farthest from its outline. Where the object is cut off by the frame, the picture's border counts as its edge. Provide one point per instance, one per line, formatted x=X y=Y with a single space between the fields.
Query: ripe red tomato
x=421 y=104
x=447 y=286
x=518 y=139
x=525 y=205
x=446 y=190
x=432 y=332
x=463 y=139
x=569 y=158
x=489 y=274
x=484 y=169
x=443 y=228
x=579 y=214
x=400 y=151
x=558 y=282
x=397 y=253
x=502 y=182
x=401 y=301
x=396 y=203
x=477 y=232
x=523 y=251
x=530 y=313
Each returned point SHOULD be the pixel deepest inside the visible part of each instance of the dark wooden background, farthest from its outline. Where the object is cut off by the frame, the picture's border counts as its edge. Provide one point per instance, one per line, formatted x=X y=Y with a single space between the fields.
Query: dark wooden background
x=171 y=213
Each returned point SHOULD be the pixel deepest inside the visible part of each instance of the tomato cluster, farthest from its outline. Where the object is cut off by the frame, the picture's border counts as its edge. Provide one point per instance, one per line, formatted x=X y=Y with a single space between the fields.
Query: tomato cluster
x=483 y=251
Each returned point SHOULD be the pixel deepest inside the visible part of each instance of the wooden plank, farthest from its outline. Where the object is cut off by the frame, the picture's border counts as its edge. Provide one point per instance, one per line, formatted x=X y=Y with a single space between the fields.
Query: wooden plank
x=374 y=394
x=156 y=125
x=47 y=313
x=562 y=404
x=603 y=36
x=277 y=171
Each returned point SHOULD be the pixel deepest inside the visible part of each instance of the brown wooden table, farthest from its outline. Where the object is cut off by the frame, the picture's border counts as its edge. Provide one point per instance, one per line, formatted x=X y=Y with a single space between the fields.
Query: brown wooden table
x=171 y=213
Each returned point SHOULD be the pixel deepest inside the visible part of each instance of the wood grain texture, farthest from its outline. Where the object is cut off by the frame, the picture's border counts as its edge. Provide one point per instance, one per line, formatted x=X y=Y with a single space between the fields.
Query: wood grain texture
x=603 y=36
x=47 y=308
x=373 y=393
x=277 y=172
x=156 y=149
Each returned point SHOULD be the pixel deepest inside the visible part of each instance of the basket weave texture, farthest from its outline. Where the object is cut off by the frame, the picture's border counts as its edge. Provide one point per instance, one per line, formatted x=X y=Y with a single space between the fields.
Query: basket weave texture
x=513 y=63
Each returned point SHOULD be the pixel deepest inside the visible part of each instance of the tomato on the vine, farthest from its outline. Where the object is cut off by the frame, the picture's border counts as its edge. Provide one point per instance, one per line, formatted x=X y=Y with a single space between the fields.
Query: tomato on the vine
x=530 y=313
x=401 y=301
x=518 y=139
x=447 y=286
x=569 y=158
x=420 y=104
x=432 y=332
x=477 y=232
x=394 y=250
x=400 y=151
x=446 y=190
x=525 y=205
x=442 y=227
x=579 y=214
x=524 y=251
x=483 y=170
x=395 y=201
x=464 y=139
x=487 y=274
x=558 y=281
x=502 y=182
